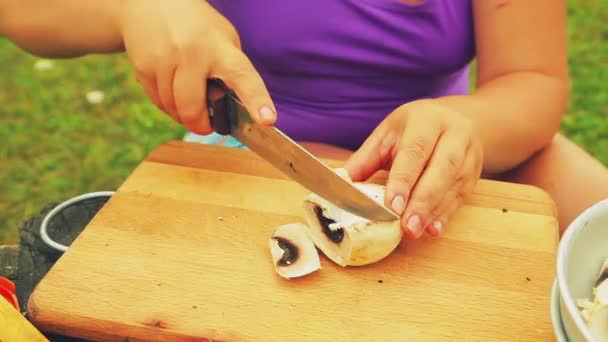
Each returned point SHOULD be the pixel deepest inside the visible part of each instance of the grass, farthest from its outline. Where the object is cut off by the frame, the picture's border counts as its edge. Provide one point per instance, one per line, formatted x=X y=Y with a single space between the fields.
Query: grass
x=586 y=121
x=56 y=145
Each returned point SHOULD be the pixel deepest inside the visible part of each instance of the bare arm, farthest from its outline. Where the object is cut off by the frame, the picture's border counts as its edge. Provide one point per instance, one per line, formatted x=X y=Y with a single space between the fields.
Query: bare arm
x=66 y=28
x=173 y=45
x=522 y=89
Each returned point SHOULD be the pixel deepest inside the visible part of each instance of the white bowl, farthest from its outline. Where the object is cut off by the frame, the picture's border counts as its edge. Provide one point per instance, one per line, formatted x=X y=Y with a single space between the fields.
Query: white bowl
x=581 y=253
x=556 y=317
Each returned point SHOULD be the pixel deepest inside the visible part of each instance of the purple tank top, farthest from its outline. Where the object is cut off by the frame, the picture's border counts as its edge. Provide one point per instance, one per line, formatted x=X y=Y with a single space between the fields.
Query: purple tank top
x=336 y=68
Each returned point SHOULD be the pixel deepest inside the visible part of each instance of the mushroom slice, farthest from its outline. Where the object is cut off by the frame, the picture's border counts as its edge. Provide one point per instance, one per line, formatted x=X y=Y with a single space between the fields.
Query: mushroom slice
x=602 y=274
x=598 y=323
x=601 y=293
x=348 y=239
x=293 y=252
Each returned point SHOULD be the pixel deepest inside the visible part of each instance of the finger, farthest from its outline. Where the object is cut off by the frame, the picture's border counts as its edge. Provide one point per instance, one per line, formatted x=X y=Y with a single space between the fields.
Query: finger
x=440 y=176
x=435 y=228
x=373 y=155
x=151 y=88
x=413 y=151
x=237 y=71
x=457 y=195
x=164 y=83
x=189 y=87
x=440 y=214
x=149 y=85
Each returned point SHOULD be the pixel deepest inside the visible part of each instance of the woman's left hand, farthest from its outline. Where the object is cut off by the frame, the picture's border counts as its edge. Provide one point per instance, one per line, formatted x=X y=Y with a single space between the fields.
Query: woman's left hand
x=434 y=157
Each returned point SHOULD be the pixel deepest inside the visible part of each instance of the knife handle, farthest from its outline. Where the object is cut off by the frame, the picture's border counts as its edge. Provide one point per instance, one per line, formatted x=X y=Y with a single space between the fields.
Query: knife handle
x=221 y=106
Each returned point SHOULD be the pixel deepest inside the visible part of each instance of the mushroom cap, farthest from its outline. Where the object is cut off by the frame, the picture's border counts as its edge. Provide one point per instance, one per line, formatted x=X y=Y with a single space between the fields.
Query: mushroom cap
x=292 y=251
x=348 y=239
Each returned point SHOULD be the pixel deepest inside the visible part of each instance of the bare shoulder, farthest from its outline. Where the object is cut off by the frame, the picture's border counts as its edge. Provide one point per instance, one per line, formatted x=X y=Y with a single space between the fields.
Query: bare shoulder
x=514 y=36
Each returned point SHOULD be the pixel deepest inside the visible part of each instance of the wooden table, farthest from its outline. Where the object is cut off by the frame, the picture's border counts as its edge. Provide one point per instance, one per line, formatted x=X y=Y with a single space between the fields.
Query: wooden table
x=180 y=253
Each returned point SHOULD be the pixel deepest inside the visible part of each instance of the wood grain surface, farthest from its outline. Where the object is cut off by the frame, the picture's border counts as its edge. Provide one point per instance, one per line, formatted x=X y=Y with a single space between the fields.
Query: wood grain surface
x=14 y=327
x=180 y=253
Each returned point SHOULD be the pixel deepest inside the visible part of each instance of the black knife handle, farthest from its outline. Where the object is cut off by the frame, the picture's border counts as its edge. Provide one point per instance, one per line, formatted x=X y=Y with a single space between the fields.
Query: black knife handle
x=221 y=106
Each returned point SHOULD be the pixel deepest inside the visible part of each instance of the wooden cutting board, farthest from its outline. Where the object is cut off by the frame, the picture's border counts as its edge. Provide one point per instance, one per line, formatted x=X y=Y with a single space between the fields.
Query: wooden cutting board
x=180 y=253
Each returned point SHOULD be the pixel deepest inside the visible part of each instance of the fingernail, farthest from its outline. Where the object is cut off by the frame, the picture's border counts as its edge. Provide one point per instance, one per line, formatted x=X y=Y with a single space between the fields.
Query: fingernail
x=398 y=204
x=266 y=113
x=438 y=225
x=432 y=232
x=414 y=225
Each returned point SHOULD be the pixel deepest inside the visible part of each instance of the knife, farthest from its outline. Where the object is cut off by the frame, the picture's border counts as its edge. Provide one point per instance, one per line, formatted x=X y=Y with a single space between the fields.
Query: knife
x=228 y=116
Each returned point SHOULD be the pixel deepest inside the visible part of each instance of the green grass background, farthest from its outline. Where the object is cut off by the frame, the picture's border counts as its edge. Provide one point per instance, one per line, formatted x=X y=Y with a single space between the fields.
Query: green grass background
x=56 y=145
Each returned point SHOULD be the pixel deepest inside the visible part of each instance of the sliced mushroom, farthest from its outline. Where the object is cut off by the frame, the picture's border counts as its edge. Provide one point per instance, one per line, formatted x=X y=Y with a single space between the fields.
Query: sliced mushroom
x=595 y=312
x=342 y=172
x=348 y=239
x=293 y=252
x=602 y=274
x=598 y=323
x=601 y=293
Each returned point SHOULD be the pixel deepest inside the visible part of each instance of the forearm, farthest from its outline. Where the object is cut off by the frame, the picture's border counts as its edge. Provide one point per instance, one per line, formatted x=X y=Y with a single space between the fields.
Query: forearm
x=515 y=115
x=62 y=28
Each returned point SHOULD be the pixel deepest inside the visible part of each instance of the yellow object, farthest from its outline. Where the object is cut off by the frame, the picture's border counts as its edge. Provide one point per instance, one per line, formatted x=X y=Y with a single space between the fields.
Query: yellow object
x=14 y=327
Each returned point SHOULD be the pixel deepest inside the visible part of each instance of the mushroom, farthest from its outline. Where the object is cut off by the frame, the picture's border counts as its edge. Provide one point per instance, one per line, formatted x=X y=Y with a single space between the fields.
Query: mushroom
x=595 y=312
x=602 y=274
x=348 y=239
x=293 y=252
x=598 y=323
x=601 y=293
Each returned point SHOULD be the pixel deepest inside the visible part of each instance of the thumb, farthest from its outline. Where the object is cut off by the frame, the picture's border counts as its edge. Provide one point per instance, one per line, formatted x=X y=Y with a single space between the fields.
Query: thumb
x=240 y=75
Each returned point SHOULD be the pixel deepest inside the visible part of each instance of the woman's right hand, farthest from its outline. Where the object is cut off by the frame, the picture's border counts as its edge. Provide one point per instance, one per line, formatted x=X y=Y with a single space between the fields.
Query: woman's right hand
x=176 y=45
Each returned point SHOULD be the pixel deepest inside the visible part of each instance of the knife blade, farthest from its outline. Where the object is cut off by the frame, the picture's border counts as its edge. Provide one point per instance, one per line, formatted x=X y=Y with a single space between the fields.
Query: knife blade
x=229 y=116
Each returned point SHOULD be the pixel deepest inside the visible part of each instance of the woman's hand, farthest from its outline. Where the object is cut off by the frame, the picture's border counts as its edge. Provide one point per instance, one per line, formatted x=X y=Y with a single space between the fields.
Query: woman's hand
x=176 y=45
x=434 y=157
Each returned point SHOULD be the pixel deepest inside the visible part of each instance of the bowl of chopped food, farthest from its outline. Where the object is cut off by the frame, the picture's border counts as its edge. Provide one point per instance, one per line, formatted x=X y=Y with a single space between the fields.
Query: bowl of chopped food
x=582 y=276
x=556 y=317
